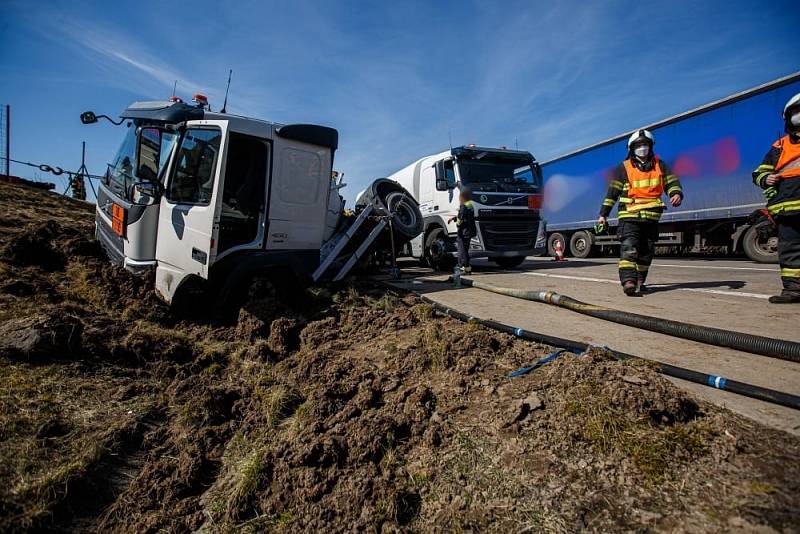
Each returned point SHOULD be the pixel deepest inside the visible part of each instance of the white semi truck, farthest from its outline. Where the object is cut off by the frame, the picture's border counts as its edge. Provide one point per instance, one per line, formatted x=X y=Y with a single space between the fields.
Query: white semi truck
x=217 y=199
x=507 y=196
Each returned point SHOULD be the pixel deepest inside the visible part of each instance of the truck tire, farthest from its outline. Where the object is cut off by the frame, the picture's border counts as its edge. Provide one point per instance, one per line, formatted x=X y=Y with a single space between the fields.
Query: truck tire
x=509 y=262
x=581 y=244
x=406 y=217
x=756 y=247
x=436 y=250
x=551 y=241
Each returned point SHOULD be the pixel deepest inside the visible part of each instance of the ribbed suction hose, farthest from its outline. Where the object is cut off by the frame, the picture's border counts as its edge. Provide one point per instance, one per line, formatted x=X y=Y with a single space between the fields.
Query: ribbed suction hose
x=774 y=348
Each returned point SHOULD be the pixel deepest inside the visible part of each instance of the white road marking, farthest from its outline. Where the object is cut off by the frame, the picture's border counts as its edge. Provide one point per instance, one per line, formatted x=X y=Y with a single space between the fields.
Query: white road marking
x=775 y=270
x=693 y=289
x=659 y=264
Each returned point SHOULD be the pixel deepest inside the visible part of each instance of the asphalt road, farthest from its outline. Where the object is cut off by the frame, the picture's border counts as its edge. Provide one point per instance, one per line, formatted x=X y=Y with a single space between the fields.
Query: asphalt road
x=722 y=293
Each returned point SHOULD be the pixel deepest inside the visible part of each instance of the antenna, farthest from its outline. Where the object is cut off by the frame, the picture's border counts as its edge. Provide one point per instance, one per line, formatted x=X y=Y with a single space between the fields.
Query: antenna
x=450 y=138
x=225 y=104
x=516 y=145
x=174 y=87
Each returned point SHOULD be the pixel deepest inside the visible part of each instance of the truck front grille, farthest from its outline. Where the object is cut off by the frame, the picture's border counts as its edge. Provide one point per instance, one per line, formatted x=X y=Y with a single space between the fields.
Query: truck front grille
x=507 y=236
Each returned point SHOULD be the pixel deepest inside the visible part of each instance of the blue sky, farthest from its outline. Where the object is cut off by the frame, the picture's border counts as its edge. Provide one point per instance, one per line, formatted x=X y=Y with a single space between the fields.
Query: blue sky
x=397 y=79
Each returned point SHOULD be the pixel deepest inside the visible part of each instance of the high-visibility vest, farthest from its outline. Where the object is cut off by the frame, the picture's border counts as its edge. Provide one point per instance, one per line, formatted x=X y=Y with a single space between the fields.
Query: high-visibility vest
x=788 y=165
x=644 y=187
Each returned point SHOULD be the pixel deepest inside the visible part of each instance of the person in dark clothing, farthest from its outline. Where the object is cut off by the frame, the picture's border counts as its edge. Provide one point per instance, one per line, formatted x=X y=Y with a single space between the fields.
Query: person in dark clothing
x=779 y=177
x=638 y=183
x=465 y=221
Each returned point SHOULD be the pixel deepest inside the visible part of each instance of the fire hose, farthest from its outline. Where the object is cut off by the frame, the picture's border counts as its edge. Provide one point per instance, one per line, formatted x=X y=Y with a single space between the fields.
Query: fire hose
x=774 y=348
x=718 y=382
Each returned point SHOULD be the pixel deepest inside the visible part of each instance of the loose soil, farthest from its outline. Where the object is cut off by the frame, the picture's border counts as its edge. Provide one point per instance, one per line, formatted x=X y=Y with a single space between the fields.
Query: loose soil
x=347 y=408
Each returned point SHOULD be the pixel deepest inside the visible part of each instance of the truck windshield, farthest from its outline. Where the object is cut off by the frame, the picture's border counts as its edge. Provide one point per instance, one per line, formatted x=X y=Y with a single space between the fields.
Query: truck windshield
x=157 y=146
x=501 y=176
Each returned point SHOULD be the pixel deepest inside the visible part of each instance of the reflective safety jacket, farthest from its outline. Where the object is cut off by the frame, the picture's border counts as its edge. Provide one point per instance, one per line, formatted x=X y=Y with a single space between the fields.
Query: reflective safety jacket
x=783 y=198
x=466 y=220
x=638 y=187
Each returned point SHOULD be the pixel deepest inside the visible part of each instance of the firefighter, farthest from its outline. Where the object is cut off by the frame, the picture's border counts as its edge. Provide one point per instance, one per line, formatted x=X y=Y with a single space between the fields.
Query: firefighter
x=465 y=223
x=638 y=183
x=779 y=177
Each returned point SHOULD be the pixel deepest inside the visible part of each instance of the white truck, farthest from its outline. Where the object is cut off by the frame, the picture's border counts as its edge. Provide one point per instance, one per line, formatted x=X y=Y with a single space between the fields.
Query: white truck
x=507 y=196
x=214 y=198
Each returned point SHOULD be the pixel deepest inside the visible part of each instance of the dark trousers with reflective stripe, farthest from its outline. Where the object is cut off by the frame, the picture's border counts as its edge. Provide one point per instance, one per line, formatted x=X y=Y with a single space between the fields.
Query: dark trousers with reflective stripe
x=789 y=253
x=462 y=245
x=637 y=248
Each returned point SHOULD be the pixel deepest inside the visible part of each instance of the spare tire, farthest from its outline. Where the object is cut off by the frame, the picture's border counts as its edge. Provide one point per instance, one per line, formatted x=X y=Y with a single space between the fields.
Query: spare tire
x=406 y=216
x=389 y=197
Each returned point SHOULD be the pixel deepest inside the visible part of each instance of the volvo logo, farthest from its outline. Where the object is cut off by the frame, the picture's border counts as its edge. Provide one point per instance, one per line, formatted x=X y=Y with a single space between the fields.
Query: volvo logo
x=510 y=200
x=484 y=199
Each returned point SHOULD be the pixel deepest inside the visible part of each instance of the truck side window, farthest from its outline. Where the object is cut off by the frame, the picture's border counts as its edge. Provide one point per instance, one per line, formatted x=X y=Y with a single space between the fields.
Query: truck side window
x=193 y=178
x=243 y=190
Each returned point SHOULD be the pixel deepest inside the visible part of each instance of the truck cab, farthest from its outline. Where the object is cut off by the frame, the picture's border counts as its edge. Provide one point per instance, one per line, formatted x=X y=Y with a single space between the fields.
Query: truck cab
x=506 y=193
x=192 y=193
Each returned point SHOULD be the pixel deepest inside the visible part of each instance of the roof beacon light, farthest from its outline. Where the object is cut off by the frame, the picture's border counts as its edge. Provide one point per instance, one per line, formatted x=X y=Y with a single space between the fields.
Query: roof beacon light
x=175 y=99
x=200 y=100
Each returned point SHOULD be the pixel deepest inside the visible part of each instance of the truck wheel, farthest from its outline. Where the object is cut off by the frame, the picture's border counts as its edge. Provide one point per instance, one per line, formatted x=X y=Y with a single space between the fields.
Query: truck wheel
x=407 y=219
x=509 y=263
x=551 y=241
x=436 y=250
x=759 y=247
x=581 y=244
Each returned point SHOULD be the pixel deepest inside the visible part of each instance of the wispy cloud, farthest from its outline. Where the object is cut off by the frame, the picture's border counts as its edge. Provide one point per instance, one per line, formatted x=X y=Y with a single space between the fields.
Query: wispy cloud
x=399 y=80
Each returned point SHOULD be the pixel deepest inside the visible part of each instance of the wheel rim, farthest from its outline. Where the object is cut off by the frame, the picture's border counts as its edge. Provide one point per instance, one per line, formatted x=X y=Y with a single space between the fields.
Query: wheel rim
x=770 y=246
x=580 y=244
x=436 y=249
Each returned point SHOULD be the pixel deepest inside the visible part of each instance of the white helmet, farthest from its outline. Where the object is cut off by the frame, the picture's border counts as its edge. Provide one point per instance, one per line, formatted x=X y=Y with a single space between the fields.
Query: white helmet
x=642 y=135
x=793 y=102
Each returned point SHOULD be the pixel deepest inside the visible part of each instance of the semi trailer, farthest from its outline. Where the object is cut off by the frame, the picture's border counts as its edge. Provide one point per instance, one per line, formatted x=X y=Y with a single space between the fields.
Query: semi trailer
x=713 y=148
x=214 y=199
x=507 y=198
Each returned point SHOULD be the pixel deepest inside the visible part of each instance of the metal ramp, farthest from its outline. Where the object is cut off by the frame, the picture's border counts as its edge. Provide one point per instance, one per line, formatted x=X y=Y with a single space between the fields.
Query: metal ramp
x=338 y=244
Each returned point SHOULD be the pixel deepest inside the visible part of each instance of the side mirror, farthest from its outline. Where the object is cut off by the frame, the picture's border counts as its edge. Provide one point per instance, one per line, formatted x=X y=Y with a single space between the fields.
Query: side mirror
x=442 y=182
x=88 y=117
x=145 y=193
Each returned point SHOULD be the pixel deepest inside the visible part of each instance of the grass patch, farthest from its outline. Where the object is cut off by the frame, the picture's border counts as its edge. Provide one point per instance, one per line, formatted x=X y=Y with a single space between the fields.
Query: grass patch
x=654 y=449
x=422 y=312
x=434 y=343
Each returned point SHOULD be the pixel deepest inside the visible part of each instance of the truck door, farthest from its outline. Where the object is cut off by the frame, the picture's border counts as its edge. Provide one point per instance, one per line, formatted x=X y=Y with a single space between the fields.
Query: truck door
x=427 y=182
x=298 y=197
x=186 y=227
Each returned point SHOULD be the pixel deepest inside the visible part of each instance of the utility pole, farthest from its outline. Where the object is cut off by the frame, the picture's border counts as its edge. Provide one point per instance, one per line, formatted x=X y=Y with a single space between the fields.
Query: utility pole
x=8 y=140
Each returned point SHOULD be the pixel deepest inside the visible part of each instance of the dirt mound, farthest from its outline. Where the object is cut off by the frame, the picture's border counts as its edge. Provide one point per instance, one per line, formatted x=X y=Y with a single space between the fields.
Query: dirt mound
x=40 y=336
x=337 y=409
x=34 y=247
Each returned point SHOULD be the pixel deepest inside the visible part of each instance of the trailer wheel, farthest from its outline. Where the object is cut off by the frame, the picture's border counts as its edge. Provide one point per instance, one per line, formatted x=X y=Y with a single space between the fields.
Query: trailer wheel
x=581 y=244
x=760 y=243
x=551 y=242
x=436 y=250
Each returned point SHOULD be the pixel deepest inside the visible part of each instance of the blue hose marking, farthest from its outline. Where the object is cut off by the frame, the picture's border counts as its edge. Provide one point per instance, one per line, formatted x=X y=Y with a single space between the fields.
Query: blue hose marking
x=518 y=332
x=718 y=382
x=547 y=359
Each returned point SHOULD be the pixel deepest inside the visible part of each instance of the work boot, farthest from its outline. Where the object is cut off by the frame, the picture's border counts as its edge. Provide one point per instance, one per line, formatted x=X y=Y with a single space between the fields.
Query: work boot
x=785 y=298
x=629 y=288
